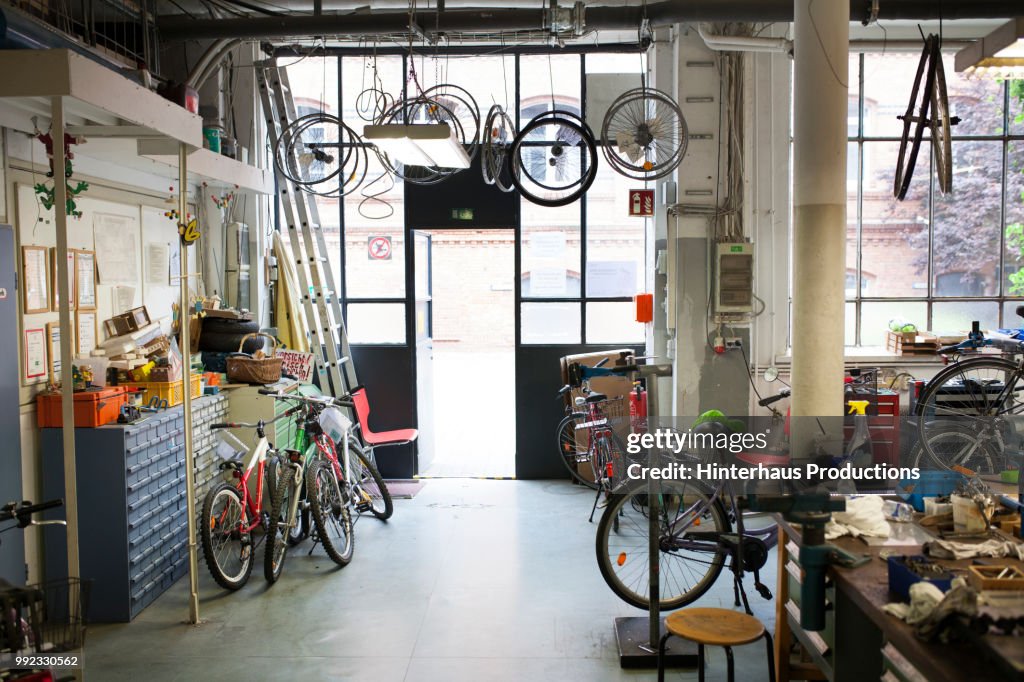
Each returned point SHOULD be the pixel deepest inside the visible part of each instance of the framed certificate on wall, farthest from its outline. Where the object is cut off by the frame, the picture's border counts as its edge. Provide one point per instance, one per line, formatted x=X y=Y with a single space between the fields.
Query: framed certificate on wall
x=85 y=280
x=55 y=295
x=35 y=355
x=36 y=296
x=85 y=328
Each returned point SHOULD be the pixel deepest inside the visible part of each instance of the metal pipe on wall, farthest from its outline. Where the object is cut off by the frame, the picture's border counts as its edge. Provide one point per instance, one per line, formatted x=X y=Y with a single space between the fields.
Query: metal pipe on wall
x=820 y=100
x=180 y=27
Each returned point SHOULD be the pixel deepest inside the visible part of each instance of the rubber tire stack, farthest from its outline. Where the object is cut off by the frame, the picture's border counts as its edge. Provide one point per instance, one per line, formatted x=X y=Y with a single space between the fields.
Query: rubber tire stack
x=224 y=335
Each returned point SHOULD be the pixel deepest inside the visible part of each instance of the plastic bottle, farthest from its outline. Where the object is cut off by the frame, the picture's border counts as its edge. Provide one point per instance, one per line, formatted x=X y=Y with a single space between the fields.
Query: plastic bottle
x=858 y=451
x=897 y=511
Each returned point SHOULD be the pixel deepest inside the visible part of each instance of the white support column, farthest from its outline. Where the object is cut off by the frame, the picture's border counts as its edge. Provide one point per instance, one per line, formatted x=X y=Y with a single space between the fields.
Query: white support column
x=821 y=31
x=186 y=391
x=60 y=198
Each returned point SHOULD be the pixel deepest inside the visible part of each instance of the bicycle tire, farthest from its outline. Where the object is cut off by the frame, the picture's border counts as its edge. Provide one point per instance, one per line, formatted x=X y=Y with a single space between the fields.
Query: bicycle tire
x=620 y=512
x=276 y=544
x=905 y=172
x=327 y=511
x=942 y=147
x=958 y=398
x=233 y=580
x=569 y=450
x=580 y=187
x=380 y=503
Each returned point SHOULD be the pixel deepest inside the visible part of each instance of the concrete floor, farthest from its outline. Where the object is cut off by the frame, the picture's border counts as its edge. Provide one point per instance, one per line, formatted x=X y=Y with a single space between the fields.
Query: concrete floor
x=470 y=580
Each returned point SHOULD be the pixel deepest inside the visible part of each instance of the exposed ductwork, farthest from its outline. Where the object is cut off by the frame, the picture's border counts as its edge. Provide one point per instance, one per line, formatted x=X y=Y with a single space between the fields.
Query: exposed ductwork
x=598 y=18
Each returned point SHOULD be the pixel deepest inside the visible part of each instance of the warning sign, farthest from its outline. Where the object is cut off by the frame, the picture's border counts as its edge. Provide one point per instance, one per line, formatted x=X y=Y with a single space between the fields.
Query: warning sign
x=641 y=202
x=379 y=247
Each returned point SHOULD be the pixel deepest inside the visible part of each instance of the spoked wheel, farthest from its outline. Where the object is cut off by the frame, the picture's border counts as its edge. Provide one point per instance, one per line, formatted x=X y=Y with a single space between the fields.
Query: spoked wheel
x=574 y=450
x=330 y=512
x=690 y=559
x=554 y=159
x=227 y=546
x=372 y=491
x=644 y=134
x=277 y=533
x=498 y=133
x=940 y=125
x=913 y=126
x=966 y=415
x=316 y=149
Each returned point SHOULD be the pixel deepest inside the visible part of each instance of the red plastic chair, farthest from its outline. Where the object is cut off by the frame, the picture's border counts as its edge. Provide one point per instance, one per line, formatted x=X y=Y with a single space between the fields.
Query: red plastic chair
x=372 y=439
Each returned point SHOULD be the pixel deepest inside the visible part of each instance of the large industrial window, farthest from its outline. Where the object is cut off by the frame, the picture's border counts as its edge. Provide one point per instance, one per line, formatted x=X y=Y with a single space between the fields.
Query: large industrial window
x=580 y=264
x=937 y=260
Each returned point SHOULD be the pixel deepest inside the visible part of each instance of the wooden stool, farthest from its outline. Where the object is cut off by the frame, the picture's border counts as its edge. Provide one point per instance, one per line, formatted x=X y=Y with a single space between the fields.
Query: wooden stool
x=714 y=627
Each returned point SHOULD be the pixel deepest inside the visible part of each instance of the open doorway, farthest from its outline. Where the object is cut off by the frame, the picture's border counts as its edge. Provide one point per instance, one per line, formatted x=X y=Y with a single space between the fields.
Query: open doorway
x=466 y=350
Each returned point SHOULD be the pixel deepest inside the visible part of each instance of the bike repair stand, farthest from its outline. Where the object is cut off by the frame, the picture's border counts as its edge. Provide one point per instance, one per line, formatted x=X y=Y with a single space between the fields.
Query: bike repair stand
x=637 y=637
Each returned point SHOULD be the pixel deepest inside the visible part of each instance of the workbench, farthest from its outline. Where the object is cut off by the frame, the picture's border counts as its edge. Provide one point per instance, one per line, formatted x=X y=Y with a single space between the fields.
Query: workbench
x=861 y=641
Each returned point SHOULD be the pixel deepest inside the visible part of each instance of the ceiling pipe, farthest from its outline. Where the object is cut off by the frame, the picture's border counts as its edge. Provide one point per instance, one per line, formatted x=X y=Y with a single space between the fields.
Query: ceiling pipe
x=722 y=43
x=180 y=27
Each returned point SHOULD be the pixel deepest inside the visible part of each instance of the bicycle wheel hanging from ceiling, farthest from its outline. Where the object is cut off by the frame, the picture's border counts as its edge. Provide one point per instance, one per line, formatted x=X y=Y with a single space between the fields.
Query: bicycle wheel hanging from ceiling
x=321 y=155
x=497 y=136
x=927 y=96
x=553 y=159
x=445 y=103
x=644 y=134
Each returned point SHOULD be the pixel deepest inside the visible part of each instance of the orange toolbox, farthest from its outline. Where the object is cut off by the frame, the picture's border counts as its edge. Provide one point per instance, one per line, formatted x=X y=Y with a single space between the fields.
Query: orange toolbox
x=93 y=407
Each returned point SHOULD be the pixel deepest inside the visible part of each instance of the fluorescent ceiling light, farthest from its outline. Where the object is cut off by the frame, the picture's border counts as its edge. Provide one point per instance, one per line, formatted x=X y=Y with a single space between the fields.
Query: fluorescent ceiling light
x=1000 y=54
x=421 y=144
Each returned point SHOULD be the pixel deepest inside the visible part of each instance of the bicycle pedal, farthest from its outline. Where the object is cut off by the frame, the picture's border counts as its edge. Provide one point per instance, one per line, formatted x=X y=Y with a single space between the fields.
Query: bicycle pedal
x=363 y=507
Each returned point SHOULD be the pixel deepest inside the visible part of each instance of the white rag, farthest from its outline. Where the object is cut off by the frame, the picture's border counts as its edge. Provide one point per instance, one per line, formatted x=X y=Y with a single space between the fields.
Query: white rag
x=863 y=516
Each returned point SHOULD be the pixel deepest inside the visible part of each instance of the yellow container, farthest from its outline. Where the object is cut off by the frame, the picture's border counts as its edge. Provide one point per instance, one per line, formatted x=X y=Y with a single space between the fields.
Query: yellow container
x=167 y=390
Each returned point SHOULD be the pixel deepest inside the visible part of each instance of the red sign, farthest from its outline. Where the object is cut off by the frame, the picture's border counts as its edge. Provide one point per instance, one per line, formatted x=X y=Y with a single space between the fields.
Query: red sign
x=641 y=203
x=379 y=247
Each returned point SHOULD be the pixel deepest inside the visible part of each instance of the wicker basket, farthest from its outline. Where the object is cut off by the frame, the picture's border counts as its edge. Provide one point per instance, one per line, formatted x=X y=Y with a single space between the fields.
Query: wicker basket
x=243 y=369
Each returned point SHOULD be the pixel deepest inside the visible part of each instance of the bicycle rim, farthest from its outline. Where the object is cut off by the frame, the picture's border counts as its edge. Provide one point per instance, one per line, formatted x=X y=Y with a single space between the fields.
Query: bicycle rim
x=331 y=513
x=574 y=450
x=965 y=415
x=685 y=574
x=277 y=534
x=370 y=486
x=227 y=546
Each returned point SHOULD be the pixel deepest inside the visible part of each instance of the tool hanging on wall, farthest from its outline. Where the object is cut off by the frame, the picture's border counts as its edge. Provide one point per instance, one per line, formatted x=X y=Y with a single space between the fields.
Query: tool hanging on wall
x=326 y=328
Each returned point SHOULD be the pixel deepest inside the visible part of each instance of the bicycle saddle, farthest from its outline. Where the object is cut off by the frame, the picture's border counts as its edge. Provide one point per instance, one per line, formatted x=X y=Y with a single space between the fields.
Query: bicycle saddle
x=596 y=397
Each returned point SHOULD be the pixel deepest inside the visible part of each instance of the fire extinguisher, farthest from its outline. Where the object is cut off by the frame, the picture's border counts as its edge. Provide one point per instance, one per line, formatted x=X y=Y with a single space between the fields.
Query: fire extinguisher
x=638 y=408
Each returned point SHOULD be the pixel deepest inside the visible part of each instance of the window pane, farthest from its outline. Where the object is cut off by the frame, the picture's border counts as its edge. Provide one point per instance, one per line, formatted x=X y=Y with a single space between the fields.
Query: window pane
x=613 y=323
x=852 y=177
x=375 y=272
x=887 y=82
x=618 y=63
x=966 y=241
x=314 y=83
x=615 y=242
x=956 y=316
x=1016 y=112
x=977 y=101
x=538 y=74
x=1014 y=262
x=376 y=322
x=874 y=319
x=489 y=79
x=357 y=76
x=551 y=323
x=1011 y=320
x=550 y=250
x=894 y=234
x=850 y=325
x=854 y=105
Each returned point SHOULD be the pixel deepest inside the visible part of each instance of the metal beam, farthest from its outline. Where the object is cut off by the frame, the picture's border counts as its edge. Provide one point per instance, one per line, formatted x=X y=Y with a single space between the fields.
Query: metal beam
x=180 y=27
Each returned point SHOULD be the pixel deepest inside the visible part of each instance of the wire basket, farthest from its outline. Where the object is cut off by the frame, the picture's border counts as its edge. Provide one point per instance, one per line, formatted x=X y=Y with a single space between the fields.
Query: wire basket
x=44 y=618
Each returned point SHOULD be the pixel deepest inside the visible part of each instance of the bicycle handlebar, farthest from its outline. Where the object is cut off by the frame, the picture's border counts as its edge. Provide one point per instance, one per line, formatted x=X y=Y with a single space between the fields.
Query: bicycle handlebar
x=563 y=390
x=249 y=425
x=344 y=401
x=25 y=511
x=765 y=402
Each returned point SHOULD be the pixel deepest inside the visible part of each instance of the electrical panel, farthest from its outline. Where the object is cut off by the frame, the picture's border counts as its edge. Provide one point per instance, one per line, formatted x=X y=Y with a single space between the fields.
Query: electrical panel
x=734 y=277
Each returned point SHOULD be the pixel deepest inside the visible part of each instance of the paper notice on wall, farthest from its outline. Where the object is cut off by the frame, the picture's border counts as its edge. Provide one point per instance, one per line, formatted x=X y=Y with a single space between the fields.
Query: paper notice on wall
x=611 y=278
x=547 y=281
x=122 y=299
x=157 y=264
x=175 y=265
x=547 y=246
x=116 y=248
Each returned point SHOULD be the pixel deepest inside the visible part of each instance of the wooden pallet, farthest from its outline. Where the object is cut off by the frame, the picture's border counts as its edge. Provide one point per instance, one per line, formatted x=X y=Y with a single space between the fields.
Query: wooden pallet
x=911 y=343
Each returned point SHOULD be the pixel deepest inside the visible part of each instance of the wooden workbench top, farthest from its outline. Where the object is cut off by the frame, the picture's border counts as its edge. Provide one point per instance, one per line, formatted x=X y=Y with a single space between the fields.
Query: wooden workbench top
x=868 y=587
